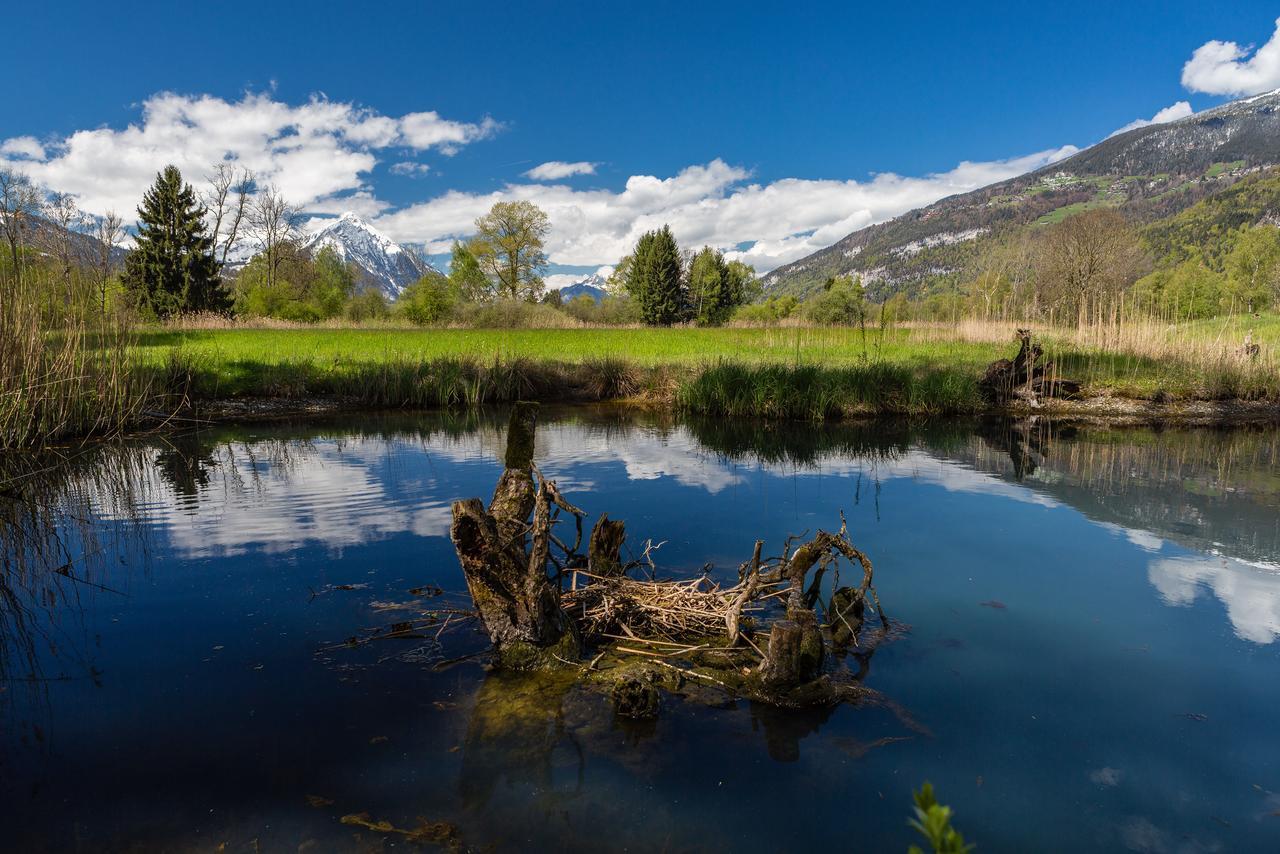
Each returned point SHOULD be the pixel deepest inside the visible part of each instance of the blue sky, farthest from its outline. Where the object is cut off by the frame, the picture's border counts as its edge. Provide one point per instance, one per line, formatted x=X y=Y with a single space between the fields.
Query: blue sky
x=679 y=109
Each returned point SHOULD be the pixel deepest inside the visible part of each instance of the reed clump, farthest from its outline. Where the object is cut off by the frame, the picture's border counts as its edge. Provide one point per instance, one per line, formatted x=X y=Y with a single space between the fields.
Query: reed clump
x=76 y=379
x=817 y=392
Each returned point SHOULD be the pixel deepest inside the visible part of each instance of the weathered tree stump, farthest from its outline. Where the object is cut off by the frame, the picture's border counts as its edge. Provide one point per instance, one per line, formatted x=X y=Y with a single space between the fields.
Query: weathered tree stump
x=604 y=549
x=517 y=602
x=1025 y=378
x=794 y=654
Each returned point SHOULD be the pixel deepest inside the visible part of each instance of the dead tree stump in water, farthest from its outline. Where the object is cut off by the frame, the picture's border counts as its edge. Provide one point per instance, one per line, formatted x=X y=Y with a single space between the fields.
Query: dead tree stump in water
x=604 y=549
x=505 y=552
x=518 y=603
x=794 y=654
x=796 y=648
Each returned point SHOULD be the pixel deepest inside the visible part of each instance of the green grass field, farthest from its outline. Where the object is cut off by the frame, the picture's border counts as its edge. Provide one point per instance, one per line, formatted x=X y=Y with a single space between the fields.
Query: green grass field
x=647 y=347
x=782 y=371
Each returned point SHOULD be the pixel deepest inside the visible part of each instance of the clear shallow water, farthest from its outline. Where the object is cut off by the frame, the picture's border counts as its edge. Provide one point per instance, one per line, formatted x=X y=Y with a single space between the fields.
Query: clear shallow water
x=1093 y=647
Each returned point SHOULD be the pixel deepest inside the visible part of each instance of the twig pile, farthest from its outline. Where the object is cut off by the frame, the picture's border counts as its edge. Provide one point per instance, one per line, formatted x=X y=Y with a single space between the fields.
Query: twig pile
x=670 y=610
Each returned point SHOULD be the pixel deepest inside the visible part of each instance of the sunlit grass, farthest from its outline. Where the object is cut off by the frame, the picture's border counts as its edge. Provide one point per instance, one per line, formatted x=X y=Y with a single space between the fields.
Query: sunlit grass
x=792 y=371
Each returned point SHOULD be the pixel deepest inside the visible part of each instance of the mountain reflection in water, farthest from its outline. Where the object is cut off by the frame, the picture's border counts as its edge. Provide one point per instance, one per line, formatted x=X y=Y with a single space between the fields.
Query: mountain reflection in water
x=172 y=612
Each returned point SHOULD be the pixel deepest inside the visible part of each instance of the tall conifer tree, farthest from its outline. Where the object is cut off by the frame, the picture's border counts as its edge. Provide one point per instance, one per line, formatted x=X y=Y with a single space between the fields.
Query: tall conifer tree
x=172 y=268
x=655 y=279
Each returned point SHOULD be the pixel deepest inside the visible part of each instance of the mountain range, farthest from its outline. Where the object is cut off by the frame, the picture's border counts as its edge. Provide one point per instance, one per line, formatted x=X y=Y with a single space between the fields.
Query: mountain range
x=592 y=286
x=1150 y=173
x=382 y=263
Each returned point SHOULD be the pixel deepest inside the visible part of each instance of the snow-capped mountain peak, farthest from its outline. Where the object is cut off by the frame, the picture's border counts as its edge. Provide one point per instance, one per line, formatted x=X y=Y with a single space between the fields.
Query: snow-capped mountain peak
x=382 y=262
x=592 y=286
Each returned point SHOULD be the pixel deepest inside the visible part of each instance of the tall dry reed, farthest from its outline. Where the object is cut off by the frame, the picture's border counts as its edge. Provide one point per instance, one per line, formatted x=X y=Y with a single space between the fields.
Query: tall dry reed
x=77 y=379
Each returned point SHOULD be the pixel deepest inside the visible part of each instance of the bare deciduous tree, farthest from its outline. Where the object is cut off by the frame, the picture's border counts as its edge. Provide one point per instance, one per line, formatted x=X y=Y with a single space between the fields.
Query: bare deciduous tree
x=19 y=204
x=108 y=230
x=227 y=199
x=61 y=236
x=1085 y=260
x=272 y=222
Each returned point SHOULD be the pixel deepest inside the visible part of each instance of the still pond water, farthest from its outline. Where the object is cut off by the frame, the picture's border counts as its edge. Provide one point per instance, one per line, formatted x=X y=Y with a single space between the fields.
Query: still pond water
x=1092 y=647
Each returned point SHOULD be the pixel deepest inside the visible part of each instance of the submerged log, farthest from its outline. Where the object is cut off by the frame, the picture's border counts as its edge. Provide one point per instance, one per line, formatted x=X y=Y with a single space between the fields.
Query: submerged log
x=517 y=602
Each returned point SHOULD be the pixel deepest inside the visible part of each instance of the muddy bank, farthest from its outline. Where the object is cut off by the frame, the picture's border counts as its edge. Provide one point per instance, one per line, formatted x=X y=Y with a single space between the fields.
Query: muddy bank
x=1103 y=409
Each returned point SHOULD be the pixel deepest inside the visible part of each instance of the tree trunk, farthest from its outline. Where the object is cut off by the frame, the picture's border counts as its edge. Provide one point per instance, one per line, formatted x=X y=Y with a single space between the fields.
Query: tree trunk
x=604 y=548
x=518 y=603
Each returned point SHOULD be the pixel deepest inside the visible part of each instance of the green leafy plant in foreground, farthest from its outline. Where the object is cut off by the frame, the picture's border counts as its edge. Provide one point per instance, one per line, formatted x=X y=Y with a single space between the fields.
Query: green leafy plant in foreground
x=933 y=821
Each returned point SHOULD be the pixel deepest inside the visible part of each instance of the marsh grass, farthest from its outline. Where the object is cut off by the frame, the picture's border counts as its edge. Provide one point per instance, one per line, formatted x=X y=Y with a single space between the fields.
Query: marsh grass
x=72 y=381
x=813 y=392
x=808 y=373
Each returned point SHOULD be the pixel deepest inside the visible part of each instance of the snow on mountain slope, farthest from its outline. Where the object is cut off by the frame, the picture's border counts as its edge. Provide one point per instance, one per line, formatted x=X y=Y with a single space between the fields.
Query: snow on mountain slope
x=592 y=286
x=382 y=262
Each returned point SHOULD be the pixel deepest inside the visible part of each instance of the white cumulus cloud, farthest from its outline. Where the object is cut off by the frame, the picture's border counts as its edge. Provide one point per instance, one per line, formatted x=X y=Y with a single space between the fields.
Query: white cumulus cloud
x=321 y=154
x=554 y=170
x=428 y=130
x=1227 y=68
x=556 y=281
x=410 y=168
x=713 y=203
x=1171 y=113
x=23 y=146
x=316 y=153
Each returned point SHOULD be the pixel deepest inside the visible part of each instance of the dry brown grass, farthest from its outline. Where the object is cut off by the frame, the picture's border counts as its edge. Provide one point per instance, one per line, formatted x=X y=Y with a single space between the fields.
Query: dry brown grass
x=75 y=380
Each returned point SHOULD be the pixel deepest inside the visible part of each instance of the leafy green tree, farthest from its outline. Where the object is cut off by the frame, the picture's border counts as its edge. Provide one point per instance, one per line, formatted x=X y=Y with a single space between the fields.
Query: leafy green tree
x=842 y=302
x=171 y=268
x=467 y=276
x=744 y=282
x=770 y=311
x=554 y=298
x=1253 y=268
x=369 y=304
x=717 y=287
x=616 y=284
x=655 y=278
x=258 y=292
x=19 y=204
x=333 y=285
x=509 y=248
x=428 y=300
x=1188 y=291
x=895 y=310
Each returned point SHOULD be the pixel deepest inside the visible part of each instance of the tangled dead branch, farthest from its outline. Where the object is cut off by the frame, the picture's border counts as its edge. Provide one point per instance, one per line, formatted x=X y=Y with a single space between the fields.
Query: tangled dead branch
x=672 y=610
x=518 y=583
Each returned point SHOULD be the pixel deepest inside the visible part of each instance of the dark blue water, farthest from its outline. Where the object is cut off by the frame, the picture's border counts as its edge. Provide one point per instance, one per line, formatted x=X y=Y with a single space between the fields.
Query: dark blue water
x=1092 y=648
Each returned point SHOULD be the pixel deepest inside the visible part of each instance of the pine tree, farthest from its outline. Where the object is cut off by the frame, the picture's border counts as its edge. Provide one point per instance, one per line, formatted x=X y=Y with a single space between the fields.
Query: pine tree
x=172 y=268
x=655 y=279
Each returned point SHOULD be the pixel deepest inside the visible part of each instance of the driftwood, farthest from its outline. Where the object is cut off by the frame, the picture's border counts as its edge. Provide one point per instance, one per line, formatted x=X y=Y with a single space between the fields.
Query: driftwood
x=1025 y=379
x=652 y=630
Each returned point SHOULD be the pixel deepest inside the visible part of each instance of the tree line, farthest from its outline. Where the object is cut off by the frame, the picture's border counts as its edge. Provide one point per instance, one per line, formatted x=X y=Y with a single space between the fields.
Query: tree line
x=1098 y=266
x=1089 y=267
